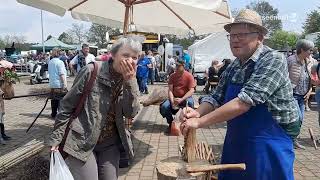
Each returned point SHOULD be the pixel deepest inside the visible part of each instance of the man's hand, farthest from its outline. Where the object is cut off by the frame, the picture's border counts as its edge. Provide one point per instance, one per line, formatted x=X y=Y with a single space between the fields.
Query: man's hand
x=128 y=69
x=177 y=101
x=188 y=113
x=55 y=148
x=188 y=124
x=306 y=97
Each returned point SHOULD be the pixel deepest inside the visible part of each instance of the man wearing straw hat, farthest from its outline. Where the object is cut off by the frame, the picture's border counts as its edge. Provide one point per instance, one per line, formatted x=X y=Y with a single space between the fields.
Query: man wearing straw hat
x=255 y=97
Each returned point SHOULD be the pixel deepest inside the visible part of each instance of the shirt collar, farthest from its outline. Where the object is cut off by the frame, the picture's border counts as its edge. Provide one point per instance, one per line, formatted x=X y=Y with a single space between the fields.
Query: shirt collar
x=255 y=56
x=105 y=75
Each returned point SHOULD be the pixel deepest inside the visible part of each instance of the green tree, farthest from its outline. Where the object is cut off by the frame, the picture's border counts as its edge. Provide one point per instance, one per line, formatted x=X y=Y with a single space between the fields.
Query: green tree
x=66 y=38
x=97 y=34
x=2 y=43
x=317 y=44
x=48 y=37
x=312 y=23
x=269 y=15
x=283 y=39
x=185 y=42
x=78 y=33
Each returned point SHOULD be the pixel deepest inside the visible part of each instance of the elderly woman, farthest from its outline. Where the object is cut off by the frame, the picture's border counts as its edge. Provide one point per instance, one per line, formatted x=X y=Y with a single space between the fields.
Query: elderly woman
x=99 y=132
x=299 y=75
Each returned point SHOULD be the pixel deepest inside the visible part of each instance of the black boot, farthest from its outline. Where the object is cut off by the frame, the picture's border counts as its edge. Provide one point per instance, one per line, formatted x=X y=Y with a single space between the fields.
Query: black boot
x=4 y=136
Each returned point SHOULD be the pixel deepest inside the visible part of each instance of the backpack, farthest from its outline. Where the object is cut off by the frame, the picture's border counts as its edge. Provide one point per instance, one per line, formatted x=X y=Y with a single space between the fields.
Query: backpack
x=81 y=59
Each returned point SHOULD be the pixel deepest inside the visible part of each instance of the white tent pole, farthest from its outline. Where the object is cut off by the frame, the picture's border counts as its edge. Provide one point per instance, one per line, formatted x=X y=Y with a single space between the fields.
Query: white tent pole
x=43 y=49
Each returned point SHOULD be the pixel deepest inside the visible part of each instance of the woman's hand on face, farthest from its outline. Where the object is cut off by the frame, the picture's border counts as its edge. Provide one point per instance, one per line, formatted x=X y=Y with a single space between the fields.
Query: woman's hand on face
x=128 y=69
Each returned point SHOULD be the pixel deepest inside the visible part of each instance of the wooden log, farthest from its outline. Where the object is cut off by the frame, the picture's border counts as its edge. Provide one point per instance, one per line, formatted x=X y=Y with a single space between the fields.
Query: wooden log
x=190 y=146
x=174 y=168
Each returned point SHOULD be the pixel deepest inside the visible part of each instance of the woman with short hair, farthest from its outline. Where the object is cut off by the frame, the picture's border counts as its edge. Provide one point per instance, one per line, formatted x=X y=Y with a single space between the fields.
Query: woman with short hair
x=96 y=137
x=299 y=75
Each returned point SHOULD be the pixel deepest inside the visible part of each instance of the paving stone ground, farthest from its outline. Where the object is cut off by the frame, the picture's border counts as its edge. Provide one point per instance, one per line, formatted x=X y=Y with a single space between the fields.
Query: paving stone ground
x=150 y=141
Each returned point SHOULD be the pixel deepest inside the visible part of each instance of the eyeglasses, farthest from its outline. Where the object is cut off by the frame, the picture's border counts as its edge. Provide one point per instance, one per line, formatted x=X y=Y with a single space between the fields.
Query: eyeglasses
x=240 y=36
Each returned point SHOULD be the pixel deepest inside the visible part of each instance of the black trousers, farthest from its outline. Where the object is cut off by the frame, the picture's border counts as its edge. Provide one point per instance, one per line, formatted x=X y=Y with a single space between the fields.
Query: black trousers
x=54 y=107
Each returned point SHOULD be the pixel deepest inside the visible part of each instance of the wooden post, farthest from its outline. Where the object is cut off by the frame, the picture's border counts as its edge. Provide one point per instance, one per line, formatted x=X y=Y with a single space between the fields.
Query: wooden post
x=190 y=143
x=126 y=20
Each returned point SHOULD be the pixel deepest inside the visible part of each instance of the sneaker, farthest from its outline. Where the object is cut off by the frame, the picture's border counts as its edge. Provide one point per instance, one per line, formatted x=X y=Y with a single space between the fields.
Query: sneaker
x=297 y=145
x=2 y=141
x=6 y=138
x=168 y=130
x=307 y=108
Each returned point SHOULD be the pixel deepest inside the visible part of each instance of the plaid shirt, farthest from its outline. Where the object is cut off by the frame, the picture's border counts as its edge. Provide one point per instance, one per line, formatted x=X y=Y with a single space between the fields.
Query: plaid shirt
x=265 y=80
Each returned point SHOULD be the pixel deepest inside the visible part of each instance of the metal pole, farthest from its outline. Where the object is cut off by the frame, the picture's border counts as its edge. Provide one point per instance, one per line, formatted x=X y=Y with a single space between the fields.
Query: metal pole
x=43 y=49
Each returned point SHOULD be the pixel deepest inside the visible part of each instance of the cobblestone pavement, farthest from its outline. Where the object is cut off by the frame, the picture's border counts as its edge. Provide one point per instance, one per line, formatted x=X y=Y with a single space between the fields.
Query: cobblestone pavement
x=151 y=144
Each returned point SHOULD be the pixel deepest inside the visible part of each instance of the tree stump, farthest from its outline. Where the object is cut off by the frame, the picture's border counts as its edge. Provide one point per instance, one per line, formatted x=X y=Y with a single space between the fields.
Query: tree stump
x=174 y=168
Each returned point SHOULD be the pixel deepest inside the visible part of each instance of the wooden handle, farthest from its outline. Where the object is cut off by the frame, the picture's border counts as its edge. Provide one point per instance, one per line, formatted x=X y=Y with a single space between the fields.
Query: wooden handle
x=219 y=167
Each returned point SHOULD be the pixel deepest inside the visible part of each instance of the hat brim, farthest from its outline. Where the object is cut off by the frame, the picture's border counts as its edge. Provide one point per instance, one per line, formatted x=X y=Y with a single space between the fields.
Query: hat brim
x=264 y=30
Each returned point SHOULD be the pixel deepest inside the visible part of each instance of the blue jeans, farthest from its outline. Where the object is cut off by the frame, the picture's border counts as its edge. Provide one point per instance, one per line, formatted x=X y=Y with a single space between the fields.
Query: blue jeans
x=142 y=82
x=300 y=100
x=151 y=75
x=317 y=97
x=166 y=109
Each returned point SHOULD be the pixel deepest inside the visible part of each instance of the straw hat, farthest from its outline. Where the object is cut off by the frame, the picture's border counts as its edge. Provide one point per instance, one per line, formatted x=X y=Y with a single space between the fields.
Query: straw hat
x=247 y=16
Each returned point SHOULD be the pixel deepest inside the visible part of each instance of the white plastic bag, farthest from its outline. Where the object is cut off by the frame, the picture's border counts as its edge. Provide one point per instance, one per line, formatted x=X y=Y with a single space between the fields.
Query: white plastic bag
x=58 y=168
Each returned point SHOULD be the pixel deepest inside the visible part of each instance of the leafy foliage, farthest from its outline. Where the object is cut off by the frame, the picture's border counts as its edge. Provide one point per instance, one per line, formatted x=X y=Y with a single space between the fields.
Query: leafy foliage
x=10 y=75
x=282 y=40
x=269 y=15
x=97 y=34
x=49 y=37
x=317 y=44
x=66 y=38
x=312 y=23
x=185 y=41
x=78 y=32
x=19 y=42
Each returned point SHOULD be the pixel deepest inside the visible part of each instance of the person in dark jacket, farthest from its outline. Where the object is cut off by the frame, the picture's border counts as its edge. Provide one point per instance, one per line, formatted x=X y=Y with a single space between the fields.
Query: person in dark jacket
x=212 y=75
x=226 y=63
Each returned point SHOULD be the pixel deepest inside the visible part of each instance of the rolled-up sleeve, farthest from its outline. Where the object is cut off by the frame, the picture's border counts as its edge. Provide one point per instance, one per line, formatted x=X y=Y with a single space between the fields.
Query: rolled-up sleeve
x=264 y=81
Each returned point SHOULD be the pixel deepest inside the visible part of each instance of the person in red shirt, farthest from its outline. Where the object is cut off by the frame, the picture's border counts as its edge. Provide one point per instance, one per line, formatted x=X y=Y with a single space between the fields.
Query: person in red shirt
x=181 y=88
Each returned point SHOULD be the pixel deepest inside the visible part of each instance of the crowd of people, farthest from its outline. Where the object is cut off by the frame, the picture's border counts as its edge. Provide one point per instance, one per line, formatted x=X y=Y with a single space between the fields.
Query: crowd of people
x=261 y=95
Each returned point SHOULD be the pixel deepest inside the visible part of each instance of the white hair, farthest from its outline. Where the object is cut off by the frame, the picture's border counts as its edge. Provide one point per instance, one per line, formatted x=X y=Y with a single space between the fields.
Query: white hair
x=129 y=41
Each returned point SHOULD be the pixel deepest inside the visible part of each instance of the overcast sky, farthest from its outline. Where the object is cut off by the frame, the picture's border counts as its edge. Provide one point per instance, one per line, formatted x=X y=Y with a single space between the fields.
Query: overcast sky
x=18 y=19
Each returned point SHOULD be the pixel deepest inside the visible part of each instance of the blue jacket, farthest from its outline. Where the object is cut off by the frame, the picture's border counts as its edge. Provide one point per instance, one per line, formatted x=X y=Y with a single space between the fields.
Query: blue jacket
x=142 y=69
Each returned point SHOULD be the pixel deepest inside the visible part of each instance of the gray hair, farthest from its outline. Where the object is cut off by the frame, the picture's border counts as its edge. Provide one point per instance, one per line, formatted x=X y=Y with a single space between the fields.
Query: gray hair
x=304 y=44
x=135 y=45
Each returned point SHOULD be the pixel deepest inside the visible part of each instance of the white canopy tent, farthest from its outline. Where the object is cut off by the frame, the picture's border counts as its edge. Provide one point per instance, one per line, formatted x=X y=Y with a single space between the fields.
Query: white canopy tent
x=179 y=17
x=214 y=46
